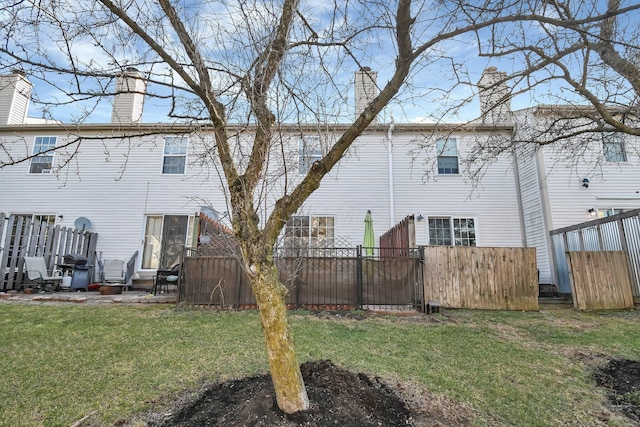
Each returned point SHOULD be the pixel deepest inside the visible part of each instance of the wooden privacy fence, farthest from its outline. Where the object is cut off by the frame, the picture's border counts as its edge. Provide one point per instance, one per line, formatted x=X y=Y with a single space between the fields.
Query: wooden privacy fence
x=600 y=280
x=481 y=278
x=400 y=239
x=25 y=237
x=313 y=282
x=455 y=277
x=619 y=232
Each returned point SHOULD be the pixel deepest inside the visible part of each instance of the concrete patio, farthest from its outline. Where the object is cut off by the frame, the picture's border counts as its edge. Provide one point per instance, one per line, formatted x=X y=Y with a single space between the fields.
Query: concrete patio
x=91 y=297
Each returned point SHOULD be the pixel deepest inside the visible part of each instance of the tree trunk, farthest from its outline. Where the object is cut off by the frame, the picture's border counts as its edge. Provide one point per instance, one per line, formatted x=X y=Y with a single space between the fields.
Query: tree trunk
x=287 y=380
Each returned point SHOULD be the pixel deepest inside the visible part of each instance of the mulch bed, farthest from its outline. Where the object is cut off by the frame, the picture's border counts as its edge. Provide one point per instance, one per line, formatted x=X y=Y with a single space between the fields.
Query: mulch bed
x=339 y=398
x=621 y=377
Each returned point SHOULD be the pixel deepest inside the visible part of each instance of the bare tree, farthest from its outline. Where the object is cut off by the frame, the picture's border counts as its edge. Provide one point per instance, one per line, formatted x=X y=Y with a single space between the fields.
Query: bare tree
x=264 y=64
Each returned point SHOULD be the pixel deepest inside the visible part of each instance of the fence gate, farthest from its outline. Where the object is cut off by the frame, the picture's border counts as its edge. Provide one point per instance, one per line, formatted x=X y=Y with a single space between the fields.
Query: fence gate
x=619 y=232
x=600 y=280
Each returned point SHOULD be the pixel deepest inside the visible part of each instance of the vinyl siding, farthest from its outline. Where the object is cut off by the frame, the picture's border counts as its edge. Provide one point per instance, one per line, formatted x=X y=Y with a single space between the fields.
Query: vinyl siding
x=533 y=206
x=112 y=183
x=492 y=201
x=358 y=183
x=552 y=192
x=116 y=182
x=611 y=185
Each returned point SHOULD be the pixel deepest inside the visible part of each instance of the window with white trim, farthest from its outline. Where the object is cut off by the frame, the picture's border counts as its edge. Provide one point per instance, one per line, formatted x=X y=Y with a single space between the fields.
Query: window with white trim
x=447 y=231
x=175 y=155
x=310 y=151
x=603 y=213
x=613 y=147
x=310 y=231
x=43 y=152
x=447 y=152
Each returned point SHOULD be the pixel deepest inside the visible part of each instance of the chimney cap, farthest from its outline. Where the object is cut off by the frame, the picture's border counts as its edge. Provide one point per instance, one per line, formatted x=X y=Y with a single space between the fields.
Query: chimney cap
x=18 y=71
x=365 y=68
x=491 y=69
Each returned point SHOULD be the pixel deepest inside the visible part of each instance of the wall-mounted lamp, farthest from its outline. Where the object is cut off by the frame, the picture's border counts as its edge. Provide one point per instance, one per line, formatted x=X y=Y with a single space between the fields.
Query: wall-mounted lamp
x=585 y=182
x=60 y=216
x=592 y=212
x=419 y=217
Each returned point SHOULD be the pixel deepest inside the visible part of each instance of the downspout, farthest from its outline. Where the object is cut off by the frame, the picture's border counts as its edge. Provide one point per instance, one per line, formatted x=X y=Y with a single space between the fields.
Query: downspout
x=516 y=169
x=392 y=207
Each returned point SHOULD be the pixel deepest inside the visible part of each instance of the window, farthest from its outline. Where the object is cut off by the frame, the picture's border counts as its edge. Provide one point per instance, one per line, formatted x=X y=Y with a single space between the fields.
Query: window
x=309 y=231
x=447 y=231
x=464 y=232
x=310 y=152
x=175 y=155
x=440 y=231
x=43 y=160
x=447 y=152
x=613 y=147
x=603 y=213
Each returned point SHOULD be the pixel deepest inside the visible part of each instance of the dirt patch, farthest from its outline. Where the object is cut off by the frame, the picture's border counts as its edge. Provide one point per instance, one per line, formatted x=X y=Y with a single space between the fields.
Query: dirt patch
x=621 y=377
x=338 y=398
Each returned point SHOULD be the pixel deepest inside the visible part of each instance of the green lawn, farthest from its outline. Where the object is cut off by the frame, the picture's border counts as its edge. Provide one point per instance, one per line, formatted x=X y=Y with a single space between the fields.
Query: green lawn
x=60 y=363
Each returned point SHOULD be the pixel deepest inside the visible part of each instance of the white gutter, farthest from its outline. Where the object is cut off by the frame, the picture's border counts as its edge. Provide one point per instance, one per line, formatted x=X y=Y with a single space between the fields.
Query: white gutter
x=392 y=207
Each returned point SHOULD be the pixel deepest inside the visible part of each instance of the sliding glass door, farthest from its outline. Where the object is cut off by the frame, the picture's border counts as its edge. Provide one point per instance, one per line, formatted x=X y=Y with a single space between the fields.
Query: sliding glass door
x=165 y=235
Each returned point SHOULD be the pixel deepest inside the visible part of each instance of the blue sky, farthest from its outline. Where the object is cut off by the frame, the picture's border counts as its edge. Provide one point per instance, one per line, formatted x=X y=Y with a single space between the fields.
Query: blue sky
x=428 y=96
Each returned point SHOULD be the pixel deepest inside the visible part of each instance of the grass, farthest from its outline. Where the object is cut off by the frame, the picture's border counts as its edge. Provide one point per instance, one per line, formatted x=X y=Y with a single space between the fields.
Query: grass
x=60 y=363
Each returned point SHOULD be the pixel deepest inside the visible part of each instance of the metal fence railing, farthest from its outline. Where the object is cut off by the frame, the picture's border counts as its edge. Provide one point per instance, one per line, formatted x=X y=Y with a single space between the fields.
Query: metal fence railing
x=619 y=232
x=334 y=278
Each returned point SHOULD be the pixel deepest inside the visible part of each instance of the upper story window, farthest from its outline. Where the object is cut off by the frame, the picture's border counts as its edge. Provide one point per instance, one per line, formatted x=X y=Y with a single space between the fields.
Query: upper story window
x=310 y=152
x=447 y=231
x=175 y=155
x=613 y=147
x=447 y=152
x=43 y=151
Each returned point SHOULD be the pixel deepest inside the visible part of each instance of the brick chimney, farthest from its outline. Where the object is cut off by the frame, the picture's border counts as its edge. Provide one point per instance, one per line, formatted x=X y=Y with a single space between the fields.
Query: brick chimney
x=366 y=88
x=15 y=93
x=495 y=97
x=129 y=98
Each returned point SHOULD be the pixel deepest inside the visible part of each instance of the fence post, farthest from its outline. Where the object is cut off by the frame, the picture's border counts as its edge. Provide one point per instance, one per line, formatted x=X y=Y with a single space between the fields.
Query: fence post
x=239 y=272
x=179 y=284
x=420 y=304
x=359 y=277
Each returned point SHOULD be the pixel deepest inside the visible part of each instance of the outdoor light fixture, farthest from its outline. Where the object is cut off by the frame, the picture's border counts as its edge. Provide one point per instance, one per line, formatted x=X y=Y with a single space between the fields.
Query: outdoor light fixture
x=419 y=217
x=60 y=216
x=592 y=212
x=585 y=182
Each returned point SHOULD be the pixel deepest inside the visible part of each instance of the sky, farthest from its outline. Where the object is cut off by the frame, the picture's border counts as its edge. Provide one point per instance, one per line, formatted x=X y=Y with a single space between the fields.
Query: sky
x=426 y=98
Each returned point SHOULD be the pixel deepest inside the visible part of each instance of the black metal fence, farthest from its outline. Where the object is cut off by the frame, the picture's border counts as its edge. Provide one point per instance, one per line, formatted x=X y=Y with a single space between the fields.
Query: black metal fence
x=327 y=278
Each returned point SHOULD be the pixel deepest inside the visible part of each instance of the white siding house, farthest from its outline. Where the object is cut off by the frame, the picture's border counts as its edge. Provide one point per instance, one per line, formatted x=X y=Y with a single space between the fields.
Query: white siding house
x=136 y=190
x=573 y=181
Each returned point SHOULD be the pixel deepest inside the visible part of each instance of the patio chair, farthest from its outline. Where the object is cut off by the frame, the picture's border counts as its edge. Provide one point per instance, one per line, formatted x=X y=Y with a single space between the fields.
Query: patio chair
x=164 y=278
x=113 y=271
x=37 y=272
